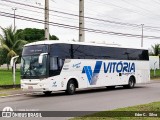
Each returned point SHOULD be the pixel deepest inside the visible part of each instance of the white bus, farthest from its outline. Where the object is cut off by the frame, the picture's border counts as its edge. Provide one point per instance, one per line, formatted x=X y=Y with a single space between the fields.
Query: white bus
x=48 y=66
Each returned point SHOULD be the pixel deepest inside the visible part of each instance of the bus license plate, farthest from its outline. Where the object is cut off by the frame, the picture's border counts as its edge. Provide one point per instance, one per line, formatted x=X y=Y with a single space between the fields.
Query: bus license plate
x=30 y=88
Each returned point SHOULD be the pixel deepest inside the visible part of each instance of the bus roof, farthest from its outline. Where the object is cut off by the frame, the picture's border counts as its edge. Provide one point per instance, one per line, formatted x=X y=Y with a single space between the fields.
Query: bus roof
x=48 y=42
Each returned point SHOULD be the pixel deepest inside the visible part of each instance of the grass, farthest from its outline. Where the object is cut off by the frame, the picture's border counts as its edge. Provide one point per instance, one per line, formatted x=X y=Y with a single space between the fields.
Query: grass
x=6 y=77
x=3 y=95
x=8 y=90
x=157 y=74
x=151 y=107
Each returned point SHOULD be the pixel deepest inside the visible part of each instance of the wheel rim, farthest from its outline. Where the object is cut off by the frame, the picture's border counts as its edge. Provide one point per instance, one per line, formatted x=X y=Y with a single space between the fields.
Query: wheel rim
x=71 y=87
x=131 y=83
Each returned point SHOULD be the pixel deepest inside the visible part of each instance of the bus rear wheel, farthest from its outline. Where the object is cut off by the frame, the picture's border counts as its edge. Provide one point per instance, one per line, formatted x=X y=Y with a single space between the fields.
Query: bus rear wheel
x=71 y=87
x=131 y=83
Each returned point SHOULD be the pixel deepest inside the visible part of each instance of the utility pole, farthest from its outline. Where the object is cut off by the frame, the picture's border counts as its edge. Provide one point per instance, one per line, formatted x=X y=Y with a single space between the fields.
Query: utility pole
x=81 y=21
x=142 y=35
x=14 y=9
x=46 y=19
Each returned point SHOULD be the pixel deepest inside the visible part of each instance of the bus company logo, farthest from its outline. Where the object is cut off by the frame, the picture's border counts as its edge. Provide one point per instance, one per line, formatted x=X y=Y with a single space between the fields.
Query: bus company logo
x=92 y=76
x=110 y=67
x=54 y=84
x=76 y=65
x=7 y=112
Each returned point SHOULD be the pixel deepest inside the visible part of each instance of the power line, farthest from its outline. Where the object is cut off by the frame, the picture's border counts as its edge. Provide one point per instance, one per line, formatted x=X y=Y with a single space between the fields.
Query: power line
x=118 y=6
x=146 y=10
x=128 y=24
x=59 y=16
x=75 y=27
x=114 y=22
x=102 y=20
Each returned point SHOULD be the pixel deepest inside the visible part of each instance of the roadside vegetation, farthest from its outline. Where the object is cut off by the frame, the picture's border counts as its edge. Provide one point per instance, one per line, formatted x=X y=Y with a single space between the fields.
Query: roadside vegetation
x=13 y=40
x=157 y=76
x=6 y=77
x=151 y=107
x=11 y=44
x=3 y=95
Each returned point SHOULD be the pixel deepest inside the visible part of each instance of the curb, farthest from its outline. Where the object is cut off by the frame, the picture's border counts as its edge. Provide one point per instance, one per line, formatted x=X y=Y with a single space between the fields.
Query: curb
x=11 y=95
x=9 y=86
x=14 y=95
x=155 y=81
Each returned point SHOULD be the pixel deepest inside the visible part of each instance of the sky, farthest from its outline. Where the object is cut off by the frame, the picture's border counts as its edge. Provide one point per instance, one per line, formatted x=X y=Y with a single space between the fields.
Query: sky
x=131 y=13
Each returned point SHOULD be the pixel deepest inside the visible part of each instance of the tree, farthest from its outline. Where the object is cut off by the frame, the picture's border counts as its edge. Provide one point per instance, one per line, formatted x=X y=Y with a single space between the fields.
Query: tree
x=3 y=56
x=10 y=43
x=156 y=49
x=33 y=34
x=53 y=37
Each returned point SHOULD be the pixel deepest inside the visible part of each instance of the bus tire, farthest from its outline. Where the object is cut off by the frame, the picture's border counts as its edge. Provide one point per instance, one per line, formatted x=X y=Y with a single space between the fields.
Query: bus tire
x=47 y=92
x=131 y=83
x=71 y=87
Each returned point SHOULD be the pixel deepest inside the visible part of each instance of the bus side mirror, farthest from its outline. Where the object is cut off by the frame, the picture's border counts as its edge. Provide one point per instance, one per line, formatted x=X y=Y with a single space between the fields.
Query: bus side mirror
x=41 y=57
x=13 y=60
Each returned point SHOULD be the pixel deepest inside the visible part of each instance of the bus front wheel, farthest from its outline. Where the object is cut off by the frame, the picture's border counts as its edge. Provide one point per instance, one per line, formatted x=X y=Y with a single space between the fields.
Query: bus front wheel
x=71 y=87
x=47 y=92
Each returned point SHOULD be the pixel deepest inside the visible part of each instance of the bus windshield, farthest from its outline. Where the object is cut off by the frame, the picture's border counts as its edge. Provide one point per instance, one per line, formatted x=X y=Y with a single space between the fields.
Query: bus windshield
x=30 y=67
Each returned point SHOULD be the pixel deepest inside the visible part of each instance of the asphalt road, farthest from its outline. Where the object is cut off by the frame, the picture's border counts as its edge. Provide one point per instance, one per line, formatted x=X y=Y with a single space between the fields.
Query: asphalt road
x=87 y=100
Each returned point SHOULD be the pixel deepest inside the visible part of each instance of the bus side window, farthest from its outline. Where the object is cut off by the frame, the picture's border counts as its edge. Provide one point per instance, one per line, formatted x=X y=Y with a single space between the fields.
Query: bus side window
x=61 y=62
x=53 y=63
